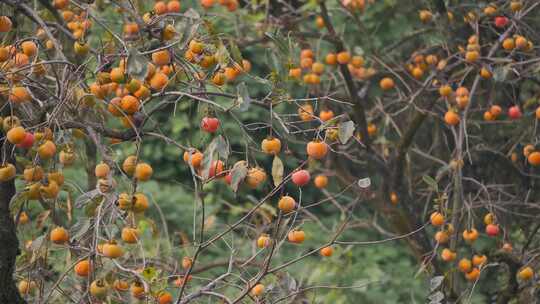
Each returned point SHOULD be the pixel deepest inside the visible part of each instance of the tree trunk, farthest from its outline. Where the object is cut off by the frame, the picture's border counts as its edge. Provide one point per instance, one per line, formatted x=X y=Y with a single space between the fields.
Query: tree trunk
x=9 y=248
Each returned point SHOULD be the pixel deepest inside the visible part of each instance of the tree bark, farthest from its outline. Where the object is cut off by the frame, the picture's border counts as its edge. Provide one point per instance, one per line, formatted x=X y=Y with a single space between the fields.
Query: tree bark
x=91 y=161
x=9 y=248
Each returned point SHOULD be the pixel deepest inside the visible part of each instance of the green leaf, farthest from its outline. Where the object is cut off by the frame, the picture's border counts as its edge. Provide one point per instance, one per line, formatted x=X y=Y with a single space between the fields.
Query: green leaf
x=208 y=159
x=364 y=182
x=107 y=266
x=346 y=131
x=238 y=174
x=279 y=41
x=143 y=225
x=137 y=64
x=500 y=74
x=222 y=55
x=36 y=243
x=222 y=147
x=192 y=14
x=235 y=52
x=86 y=197
x=431 y=182
x=80 y=228
x=435 y=282
x=277 y=171
x=243 y=97
x=274 y=61
x=149 y=273
x=436 y=298
x=218 y=146
x=16 y=202
x=90 y=208
x=187 y=27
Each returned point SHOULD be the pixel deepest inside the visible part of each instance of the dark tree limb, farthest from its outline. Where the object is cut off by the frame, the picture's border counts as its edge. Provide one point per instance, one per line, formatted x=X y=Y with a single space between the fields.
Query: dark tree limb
x=358 y=107
x=91 y=161
x=8 y=238
x=405 y=143
x=440 y=6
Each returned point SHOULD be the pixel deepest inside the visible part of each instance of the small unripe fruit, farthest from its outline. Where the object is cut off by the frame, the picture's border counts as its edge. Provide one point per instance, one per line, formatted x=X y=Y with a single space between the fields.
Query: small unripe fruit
x=120 y=285
x=16 y=135
x=321 y=181
x=216 y=169
x=7 y=172
x=98 y=289
x=343 y=57
x=425 y=16
x=255 y=177
x=296 y=236
x=26 y=287
x=495 y=110
x=470 y=235
x=326 y=115
x=514 y=112
x=489 y=218
x=137 y=290
x=451 y=118
x=465 y=265
x=187 y=262
x=501 y=21
x=102 y=170
x=140 y=203
x=445 y=90
x=263 y=241
x=143 y=172
x=306 y=112
x=210 y=124
x=301 y=177
x=492 y=230
x=473 y=275
x=437 y=219
x=394 y=199
x=27 y=142
x=82 y=268
x=59 y=235
x=47 y=150
x=129 y=165
x=195 y=156
x=331 y=59
x=509 y=44
x=526 y=273
x=448 y=255
x=442 y=237
x=386 y=83
x=33 y=174
x=5 y=24
x=327 y=251
x=165 y=298
x=317 y=149
x=534 y=158
x=286 y=204
x=479 y=260
x=271 y=145
x=112 y=250
x=257 y=290
x=130 y=235
x=130 y=104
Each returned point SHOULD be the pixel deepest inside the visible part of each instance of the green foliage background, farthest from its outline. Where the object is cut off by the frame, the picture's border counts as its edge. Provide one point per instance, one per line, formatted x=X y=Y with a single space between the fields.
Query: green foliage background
x=388 y=268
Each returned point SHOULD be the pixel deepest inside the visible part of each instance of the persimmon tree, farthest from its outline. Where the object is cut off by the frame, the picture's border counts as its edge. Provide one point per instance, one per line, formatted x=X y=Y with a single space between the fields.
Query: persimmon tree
x=430 y=126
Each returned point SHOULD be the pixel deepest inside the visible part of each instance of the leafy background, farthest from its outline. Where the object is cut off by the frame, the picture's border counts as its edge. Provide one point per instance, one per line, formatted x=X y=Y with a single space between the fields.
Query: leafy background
x=388 y=268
